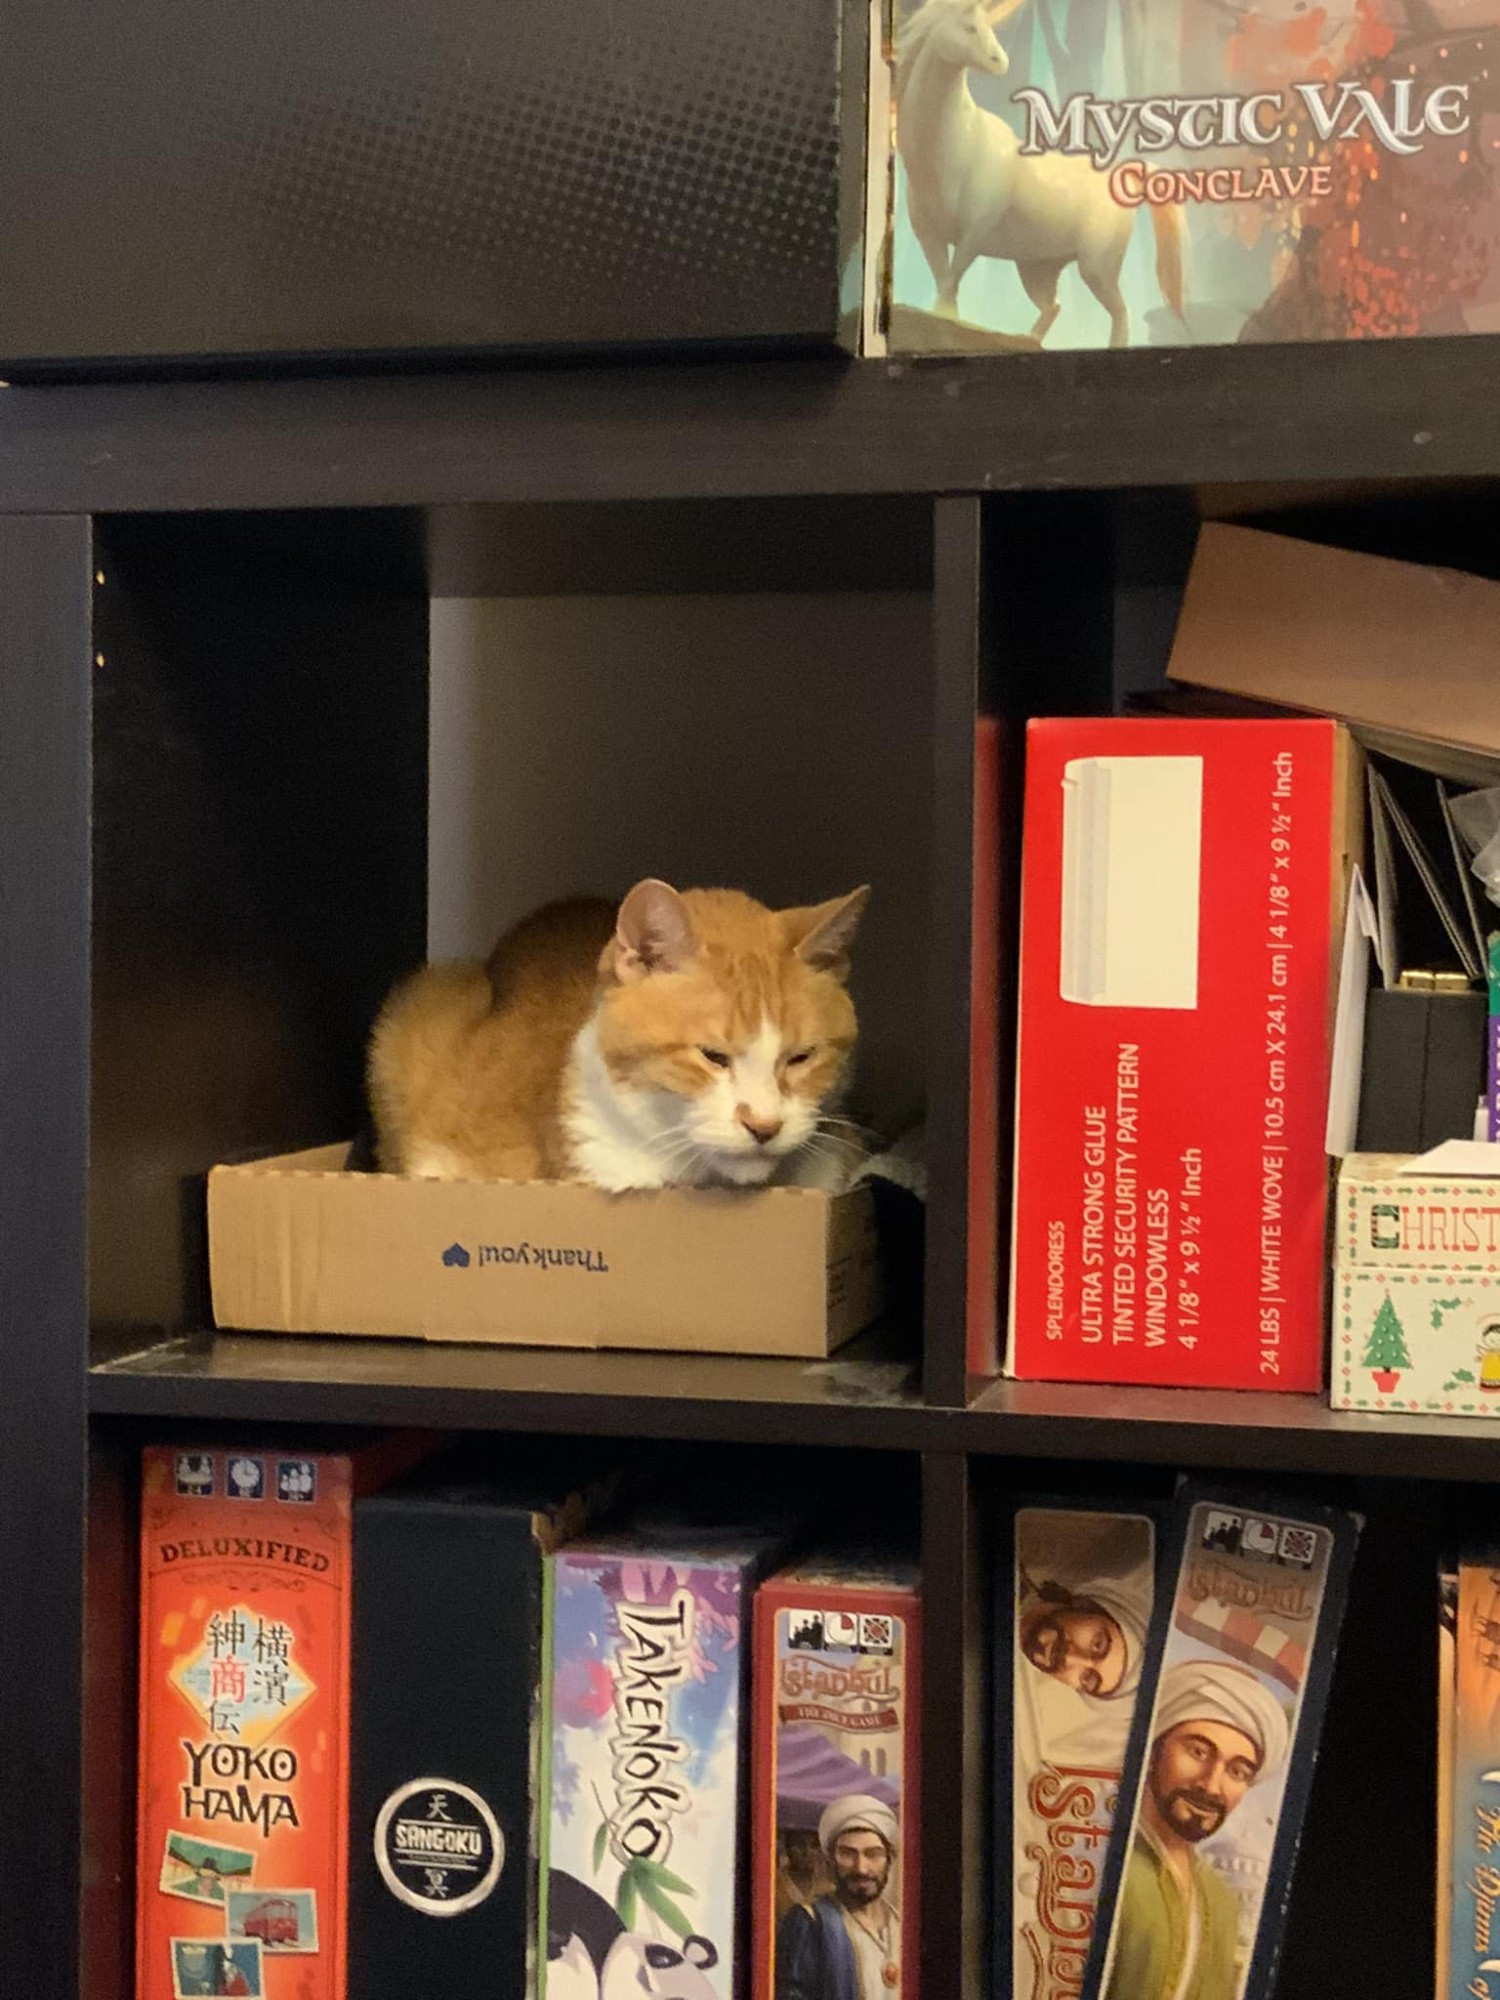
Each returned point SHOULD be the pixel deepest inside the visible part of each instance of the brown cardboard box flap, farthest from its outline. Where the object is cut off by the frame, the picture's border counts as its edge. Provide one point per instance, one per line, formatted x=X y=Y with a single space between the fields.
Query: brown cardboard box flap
x=1390 y=645
x=296 y=1245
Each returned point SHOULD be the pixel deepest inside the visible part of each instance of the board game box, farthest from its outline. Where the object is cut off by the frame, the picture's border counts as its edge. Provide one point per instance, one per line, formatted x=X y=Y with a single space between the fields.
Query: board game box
x=1073 y=1611
x=1091 y=173
x=836 y=1817
x=448 y=1635
x=642 y=1808
x=1224 y=1742
x=1447 y=1636
x=1473 y=1788
x=244 y=1702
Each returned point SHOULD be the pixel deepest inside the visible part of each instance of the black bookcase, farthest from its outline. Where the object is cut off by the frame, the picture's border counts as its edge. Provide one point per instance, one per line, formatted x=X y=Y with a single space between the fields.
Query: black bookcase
x=213 y=816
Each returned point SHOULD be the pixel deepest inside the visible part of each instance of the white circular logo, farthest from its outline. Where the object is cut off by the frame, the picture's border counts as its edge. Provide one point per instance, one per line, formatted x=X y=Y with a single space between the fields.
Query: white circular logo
x=438 y=1847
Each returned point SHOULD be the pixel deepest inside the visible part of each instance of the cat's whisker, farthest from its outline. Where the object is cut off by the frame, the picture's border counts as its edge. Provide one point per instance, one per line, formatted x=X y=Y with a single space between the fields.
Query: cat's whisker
x=831 y=1120
x=670 y=1145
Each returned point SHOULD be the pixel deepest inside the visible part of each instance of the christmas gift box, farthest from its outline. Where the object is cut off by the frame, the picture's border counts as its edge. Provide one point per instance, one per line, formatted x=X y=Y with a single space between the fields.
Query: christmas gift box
x=1417 y=1298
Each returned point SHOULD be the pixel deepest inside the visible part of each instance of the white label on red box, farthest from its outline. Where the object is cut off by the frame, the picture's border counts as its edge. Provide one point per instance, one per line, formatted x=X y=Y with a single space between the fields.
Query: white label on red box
x=1176 y=968
x=1132 y=832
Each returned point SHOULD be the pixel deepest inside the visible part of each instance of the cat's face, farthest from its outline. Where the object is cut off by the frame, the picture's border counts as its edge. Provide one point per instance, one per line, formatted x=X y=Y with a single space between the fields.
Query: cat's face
x=727 y=1027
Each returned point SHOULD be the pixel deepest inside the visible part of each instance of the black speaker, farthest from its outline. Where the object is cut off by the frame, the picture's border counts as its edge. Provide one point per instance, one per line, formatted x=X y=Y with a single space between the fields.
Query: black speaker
x=220 y=182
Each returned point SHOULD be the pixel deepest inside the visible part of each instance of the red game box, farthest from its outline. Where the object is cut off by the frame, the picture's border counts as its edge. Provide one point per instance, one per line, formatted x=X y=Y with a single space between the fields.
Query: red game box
x=1182 y=884
x=244 y=1716
x=837 y=1677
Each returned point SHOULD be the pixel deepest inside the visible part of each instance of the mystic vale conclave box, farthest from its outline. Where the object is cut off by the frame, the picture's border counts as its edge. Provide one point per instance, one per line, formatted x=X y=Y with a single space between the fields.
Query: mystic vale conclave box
x=1088 y=174
x=244 y=1701
x=1181 y=891
x=836 y=1811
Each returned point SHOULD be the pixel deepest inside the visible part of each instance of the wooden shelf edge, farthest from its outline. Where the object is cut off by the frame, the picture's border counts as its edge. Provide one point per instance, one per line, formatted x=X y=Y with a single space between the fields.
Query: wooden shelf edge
x=851 y=1404
x=861 y=1400
x=1375 y=410
x=1236 y=1430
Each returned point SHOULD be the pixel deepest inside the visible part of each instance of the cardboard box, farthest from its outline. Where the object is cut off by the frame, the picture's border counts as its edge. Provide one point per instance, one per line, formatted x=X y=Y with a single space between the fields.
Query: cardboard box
x=296 y=1245
x=1391 y=645
x=1416 y=1321
x=1182 y=883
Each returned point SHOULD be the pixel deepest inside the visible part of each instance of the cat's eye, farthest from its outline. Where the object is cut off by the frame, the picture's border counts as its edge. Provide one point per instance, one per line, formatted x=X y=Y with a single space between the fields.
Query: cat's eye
x=717 y=1057
x=799 y=1056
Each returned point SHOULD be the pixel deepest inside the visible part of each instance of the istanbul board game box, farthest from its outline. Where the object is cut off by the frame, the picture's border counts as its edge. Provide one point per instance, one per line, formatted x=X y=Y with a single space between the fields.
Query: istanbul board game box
x=1224 y=1742
x=1182 y=892
x=447 y=1685
x=836 y=1814
x=311 y=180
x=642 y=1808
x=1090 y=173
x=1074 y=1597
x=244 y=1715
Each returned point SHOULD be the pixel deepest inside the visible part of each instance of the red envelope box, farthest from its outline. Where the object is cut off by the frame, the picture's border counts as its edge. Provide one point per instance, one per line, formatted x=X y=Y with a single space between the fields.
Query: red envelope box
x=1182 y=892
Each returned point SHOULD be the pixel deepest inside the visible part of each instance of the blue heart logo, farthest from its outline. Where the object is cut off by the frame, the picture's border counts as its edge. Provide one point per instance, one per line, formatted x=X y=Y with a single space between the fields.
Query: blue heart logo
x=456 y=1257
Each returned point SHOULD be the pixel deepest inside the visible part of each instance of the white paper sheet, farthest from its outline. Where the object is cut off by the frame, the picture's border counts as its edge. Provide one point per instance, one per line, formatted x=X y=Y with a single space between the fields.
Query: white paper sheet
x=1360 y=933
x=1457 y=1159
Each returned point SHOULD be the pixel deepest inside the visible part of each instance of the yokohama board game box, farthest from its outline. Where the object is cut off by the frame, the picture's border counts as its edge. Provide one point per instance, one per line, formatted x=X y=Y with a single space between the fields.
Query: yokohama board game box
x=836 y=1815
x=1091 y=173
x=244 y=1701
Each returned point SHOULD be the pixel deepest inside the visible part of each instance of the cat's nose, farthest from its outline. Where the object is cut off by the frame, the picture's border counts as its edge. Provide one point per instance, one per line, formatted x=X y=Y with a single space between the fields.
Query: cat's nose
x=761 y=1130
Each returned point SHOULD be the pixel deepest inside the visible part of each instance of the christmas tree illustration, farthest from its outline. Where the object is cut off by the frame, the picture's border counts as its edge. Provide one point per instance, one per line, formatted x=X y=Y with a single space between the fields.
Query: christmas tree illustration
x=1385 y=1350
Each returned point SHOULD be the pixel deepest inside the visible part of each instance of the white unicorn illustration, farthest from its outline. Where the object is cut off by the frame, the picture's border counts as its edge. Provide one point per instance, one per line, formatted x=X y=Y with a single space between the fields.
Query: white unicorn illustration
x=971 y=192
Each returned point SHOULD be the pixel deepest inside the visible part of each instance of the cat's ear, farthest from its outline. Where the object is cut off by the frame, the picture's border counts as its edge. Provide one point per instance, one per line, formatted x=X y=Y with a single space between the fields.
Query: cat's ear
x=653 y=933
x=822 y=936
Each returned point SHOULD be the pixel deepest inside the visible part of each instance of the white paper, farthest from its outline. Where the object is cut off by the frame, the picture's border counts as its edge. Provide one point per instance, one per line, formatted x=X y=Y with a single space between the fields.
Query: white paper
x=1360 y=933
x=1457 y=1159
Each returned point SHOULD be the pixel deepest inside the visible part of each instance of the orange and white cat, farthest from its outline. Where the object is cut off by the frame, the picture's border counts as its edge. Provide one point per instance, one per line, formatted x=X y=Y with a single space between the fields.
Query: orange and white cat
x=691 y=1039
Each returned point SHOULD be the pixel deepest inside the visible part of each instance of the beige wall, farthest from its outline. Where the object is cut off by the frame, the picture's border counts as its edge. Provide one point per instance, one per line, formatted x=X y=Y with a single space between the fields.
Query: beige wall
x=778 y=744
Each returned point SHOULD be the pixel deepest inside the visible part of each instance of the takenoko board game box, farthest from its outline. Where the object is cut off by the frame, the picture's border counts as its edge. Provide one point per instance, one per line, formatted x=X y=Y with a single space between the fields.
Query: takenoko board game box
x=643 y=1807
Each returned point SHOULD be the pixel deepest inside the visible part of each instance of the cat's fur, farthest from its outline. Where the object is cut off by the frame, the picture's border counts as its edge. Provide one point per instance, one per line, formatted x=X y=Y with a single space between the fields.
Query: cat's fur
x=577 y=1052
